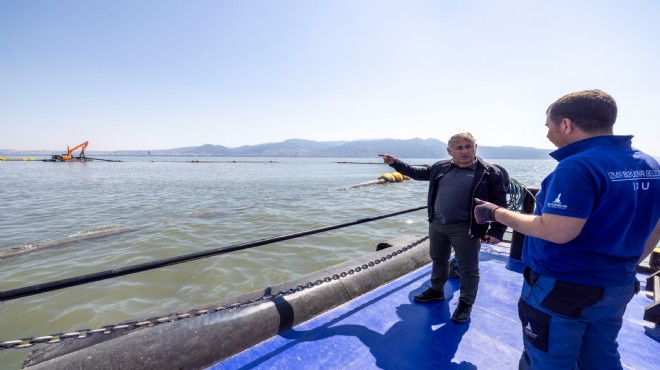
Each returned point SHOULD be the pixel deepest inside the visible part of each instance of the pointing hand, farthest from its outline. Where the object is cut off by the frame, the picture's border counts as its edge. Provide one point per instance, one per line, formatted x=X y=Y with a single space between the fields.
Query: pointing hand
x=387 y=158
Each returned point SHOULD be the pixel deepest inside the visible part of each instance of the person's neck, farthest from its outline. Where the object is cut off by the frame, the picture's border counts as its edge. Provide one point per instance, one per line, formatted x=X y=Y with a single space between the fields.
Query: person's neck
x=464 y=165
x=581 y=135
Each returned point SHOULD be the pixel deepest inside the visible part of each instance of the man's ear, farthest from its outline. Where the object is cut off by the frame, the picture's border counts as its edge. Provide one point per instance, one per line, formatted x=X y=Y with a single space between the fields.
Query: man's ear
x=567 y=126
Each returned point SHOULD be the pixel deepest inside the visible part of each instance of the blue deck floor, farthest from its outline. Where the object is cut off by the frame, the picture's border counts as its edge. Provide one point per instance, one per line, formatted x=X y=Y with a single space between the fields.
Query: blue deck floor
x=386 y=329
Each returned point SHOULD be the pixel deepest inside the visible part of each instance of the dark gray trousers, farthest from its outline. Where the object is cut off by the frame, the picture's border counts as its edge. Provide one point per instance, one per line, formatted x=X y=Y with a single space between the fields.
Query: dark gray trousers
x=442 y=238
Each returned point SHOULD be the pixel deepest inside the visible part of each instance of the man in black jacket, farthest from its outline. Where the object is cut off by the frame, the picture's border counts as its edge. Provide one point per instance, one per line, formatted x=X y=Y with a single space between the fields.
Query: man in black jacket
x=453 y=185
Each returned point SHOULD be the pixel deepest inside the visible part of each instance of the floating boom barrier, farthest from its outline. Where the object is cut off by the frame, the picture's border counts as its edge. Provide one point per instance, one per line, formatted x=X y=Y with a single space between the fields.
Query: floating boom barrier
x=19 y=159
x=76 y=159
x=383 y=178
x=393 y=177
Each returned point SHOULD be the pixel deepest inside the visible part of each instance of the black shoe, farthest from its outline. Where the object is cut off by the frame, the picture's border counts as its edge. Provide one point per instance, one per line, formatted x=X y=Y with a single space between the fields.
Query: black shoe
x=430 y=294
x=462 y=313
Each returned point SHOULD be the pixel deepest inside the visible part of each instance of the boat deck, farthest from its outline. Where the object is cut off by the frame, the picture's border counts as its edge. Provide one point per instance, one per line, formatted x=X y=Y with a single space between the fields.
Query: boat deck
x=387 y=329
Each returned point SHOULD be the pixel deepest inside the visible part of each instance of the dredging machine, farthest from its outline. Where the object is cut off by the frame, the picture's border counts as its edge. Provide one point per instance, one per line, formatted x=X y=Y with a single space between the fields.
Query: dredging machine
x=69 y=154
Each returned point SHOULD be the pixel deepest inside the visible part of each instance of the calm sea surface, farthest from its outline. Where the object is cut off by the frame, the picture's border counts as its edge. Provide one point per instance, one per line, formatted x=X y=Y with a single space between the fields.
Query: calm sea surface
x=82 y=218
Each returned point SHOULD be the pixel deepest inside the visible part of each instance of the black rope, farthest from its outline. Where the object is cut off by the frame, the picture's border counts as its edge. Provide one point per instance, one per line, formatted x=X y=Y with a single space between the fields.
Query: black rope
x=108 y=274
x=517 y=192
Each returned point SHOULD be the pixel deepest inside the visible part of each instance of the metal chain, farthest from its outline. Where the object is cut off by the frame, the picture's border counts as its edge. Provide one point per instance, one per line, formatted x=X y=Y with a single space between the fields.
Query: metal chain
x=134 y=324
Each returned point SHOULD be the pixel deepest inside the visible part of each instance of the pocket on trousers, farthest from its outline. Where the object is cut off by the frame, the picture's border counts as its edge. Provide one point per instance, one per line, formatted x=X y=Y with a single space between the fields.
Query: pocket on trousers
x=570 y=299
x=531 y=277
x=535 y=325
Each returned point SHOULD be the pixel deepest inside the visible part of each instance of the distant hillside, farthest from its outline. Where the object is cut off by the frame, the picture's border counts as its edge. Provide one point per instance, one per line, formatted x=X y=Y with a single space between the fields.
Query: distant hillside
x=410 y=148
x=287 y=148
x=513 y=152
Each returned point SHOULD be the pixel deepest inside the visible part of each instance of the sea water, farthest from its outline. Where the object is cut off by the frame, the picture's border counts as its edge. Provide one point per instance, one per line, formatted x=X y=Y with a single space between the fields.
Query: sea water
x=61 y=220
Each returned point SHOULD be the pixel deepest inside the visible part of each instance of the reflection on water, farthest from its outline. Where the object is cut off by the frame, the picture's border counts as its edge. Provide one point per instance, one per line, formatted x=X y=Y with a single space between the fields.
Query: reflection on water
x=80 y=218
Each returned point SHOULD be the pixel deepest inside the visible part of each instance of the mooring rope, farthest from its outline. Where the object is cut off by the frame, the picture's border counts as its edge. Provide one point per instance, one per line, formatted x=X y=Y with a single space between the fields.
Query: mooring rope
x=517 y=193
x=121 y=271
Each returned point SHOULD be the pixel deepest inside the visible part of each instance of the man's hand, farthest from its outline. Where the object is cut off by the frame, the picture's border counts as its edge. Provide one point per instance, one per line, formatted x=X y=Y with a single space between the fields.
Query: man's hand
x=387 y=158
x=484 y=211
x=491 y=239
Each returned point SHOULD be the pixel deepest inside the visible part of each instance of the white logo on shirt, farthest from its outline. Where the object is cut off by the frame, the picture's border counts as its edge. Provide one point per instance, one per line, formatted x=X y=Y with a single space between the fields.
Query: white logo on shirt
x=557 y=204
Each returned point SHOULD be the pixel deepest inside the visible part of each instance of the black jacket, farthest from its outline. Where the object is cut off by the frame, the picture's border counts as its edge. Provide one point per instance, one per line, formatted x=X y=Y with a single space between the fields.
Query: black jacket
x=490 y=184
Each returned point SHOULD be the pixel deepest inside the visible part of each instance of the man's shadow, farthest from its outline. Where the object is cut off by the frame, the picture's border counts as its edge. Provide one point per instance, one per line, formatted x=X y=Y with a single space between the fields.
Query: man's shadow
x=422 y=340
x=424 y=337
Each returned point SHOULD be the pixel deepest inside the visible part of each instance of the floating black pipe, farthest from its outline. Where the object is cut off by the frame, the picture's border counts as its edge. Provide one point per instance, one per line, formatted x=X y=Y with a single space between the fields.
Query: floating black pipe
x=105 y=160
x=121 y=271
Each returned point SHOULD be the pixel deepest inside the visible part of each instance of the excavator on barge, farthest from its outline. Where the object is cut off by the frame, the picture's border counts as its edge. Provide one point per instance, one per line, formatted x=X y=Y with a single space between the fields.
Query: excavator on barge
x=68 y=157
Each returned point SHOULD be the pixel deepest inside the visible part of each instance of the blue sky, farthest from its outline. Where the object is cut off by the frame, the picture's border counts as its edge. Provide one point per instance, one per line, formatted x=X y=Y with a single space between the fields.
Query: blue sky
x=131 y=74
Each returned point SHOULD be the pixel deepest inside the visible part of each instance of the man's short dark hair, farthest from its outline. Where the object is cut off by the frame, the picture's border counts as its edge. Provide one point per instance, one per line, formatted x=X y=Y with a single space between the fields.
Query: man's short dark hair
x=463 y=136
x=592 y=111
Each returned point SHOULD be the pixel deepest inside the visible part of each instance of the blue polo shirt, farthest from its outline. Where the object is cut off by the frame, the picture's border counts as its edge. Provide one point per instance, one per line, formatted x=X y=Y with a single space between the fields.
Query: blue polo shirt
x=616 y=188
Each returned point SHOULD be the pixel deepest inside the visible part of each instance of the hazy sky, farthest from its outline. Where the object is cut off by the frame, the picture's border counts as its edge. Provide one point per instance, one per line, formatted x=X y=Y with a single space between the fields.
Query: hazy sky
x=130 y=74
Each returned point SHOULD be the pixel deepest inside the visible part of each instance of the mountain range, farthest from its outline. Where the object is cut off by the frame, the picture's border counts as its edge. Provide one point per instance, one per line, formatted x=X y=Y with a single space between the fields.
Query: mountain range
x=410 y=148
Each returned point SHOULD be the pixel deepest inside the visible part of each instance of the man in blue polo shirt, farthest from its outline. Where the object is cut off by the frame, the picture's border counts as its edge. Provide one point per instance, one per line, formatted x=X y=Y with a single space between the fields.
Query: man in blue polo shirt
x=597 y=216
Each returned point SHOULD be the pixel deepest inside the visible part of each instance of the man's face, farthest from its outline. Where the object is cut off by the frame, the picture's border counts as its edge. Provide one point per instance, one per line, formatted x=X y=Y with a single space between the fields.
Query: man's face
x=463 y=152
x=554 y=134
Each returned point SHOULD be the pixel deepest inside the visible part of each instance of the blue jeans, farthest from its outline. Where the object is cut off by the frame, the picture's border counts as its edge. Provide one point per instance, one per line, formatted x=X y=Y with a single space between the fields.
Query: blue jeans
x=567 y=325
